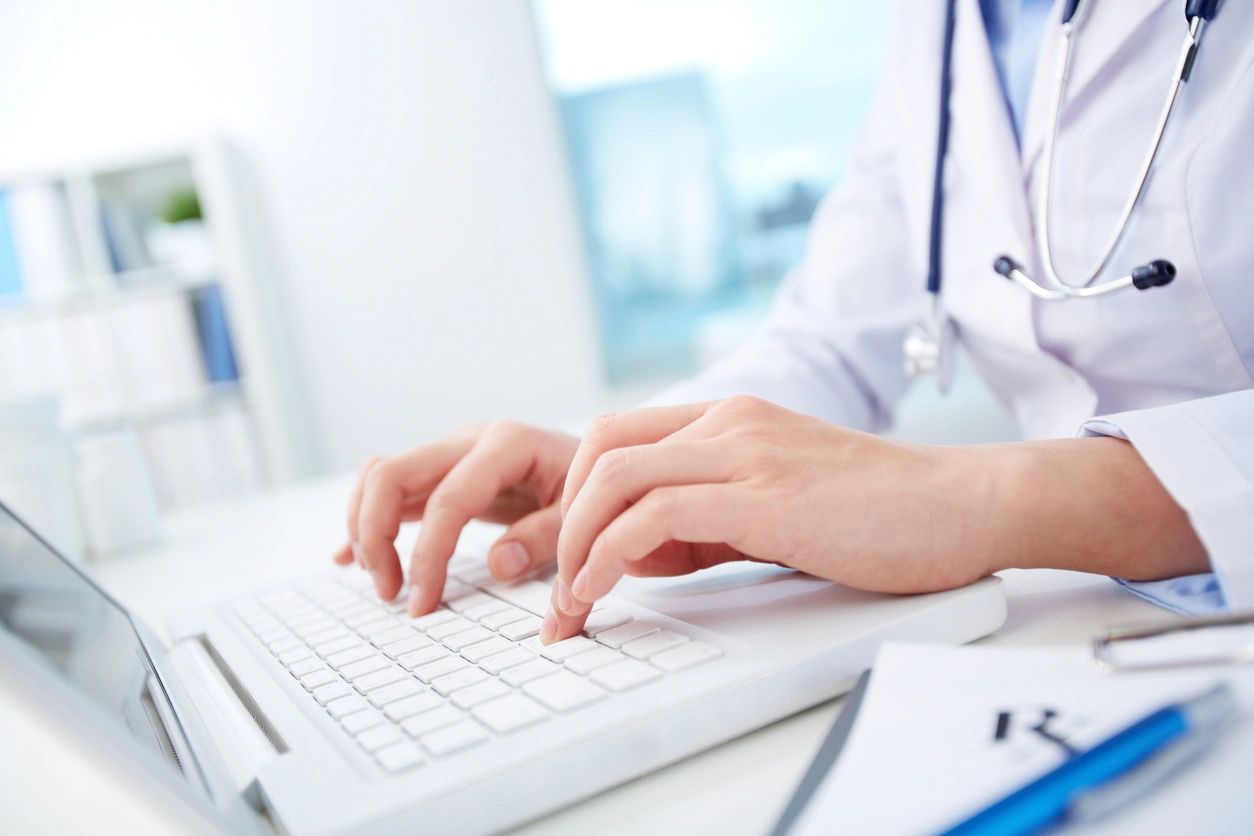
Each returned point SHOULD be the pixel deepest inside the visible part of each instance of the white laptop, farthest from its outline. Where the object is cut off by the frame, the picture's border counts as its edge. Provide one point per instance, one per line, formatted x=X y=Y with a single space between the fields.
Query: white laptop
x=317 y=709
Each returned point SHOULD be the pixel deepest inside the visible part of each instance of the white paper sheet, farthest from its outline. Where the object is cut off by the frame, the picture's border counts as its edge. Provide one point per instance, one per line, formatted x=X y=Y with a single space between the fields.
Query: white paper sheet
x=943 y=731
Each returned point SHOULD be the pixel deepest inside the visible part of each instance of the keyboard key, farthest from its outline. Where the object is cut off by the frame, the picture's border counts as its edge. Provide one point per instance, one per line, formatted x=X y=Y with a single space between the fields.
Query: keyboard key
x=501 y=617
x=427 y=721
x=288 y=642
x=306 y=666
x=532 y=596
x=361 y=667
x=395 y=633
x=467 y=637
x=319 y=629
x=686 y=656
x=426 y=622
x=347 y=657
x=377 y=737
x=421 y=657
x=350 y=608
x=509 y=713
x=399 y=756
x=321 y=637
x=619 y=636
x=393 y=692
x=297 y=654
x=366 y=616
x=415 y=704
x=313 y=617
x=440 y=667
x=652 y=644
x=500 y=661
x=450 y=682
x=522 y=629
x=385 y=621
x=453 y=738
x=563 y=650
x=331 y=691
x=598 y=657
x=491 y=606
x=338 y=645
x=448 y=628
x=345 y=705
x=359 y=721
x=273 y=634
x=318 y=678
x=606 y=619
x=468 y=602
x=483 y=649
x=534 y=669
x=623 y=676
x=471 y=570
x=489 y=689
x=455 y=589
x=563 y=691
x=398 y=649
x=377 y=679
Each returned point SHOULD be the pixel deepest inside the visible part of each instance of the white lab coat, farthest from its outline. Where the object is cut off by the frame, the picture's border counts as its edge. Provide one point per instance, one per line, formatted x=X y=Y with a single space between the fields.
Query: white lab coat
x=1170 y=369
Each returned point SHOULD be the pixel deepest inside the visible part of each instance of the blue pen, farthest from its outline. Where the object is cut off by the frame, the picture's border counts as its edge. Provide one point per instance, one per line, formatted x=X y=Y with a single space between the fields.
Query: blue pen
x=1113 y=772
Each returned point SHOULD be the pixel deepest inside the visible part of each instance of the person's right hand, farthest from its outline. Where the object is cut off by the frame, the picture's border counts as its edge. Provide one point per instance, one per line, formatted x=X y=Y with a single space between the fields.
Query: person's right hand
x=502 y=472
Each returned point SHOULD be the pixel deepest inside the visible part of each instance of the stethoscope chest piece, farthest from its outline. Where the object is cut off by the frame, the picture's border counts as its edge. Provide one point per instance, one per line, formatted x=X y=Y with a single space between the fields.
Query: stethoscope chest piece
x=929 y=348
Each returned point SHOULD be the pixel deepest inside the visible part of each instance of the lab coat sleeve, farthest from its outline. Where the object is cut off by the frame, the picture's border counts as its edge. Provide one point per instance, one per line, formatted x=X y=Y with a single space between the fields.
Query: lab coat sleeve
x=831 y=345
x=1203 y=453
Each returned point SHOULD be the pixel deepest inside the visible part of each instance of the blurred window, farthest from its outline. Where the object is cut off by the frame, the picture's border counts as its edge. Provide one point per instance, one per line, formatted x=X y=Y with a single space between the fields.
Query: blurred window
x=701 y=135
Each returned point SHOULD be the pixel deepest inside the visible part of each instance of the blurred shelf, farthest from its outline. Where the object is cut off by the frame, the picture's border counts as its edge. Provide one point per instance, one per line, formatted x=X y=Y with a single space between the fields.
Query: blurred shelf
x=210 y=399
x=104 y=291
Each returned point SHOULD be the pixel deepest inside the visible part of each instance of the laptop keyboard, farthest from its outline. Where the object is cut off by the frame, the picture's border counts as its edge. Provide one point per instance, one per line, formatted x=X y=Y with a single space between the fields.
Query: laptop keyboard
x=409 y=689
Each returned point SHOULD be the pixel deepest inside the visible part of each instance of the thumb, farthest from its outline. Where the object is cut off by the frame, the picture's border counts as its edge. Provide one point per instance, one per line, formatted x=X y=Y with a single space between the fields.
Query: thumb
x=527 y=545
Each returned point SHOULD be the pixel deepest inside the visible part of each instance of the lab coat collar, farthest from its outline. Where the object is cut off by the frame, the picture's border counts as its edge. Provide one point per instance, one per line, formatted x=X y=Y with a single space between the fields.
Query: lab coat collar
x=1106 y=33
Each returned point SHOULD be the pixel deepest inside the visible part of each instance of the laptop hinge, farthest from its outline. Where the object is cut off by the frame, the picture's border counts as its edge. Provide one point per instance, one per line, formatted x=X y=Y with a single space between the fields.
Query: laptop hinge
x=242 y=737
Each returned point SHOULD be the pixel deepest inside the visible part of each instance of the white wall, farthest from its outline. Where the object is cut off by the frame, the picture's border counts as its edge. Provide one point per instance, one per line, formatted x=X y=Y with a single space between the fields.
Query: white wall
x=407 y=162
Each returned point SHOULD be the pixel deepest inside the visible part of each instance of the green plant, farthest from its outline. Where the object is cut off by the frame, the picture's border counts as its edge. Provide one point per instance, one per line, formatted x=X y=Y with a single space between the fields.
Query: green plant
x=181 y=205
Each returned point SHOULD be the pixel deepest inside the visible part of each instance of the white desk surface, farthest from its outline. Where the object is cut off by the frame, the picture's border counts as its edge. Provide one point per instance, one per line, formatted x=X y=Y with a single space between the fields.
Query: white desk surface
x=219 y=550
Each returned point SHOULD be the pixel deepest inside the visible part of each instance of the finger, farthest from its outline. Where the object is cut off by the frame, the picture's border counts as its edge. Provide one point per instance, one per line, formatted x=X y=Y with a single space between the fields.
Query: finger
x=640 y=426
x=344 y=555
x=687 y=513
x=354 y=504
x=526 y=545
x=505 y=455
x=390 y=490
x=622 y=476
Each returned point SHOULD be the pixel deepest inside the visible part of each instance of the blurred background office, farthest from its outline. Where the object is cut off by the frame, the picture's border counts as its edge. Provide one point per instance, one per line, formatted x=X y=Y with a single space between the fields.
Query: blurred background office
x=244 y=243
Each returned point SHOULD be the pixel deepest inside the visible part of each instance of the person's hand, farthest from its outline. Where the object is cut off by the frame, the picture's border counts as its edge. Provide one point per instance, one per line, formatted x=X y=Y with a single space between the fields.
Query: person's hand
x=503 y=472
x=665 y=491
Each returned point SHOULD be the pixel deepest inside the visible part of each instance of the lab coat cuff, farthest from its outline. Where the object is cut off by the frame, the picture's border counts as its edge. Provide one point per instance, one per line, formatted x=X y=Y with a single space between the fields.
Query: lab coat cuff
x=1194 y=468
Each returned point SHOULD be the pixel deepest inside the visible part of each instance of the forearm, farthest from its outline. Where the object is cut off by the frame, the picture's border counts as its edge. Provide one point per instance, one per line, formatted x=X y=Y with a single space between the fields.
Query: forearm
x=1088 y=504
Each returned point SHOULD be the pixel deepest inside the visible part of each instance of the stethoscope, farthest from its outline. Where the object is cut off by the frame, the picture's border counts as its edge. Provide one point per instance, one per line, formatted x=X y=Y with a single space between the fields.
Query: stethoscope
x=922 y=346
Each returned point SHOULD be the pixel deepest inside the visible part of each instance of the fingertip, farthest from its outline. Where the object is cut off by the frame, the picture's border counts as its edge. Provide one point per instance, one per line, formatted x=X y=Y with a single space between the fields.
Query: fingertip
x=343 y=556
x=548 y=629
x=386 y=584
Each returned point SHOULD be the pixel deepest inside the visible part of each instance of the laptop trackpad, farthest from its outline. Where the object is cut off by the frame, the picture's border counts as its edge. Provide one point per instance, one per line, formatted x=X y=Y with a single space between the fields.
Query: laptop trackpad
x=757 y=601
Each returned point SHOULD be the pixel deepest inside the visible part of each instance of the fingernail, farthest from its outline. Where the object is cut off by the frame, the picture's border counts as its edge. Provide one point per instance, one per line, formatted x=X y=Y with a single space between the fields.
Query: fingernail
x=379 y=582
x=510 y=559
x=580 y=587
x=412 y=606
x=357 y=556
x=563 y=597
x=548 y=630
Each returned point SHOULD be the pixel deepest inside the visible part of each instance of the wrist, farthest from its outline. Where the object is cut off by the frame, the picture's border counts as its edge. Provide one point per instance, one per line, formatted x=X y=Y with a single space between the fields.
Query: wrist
x=993 y=490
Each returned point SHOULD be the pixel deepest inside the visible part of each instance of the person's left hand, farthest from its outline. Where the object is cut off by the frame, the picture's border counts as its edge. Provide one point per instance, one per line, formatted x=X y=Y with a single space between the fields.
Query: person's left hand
x=670 y=490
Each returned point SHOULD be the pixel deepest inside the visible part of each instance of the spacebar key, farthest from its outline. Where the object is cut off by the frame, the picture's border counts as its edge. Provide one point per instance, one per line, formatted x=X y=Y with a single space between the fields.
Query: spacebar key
x=532 y=596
